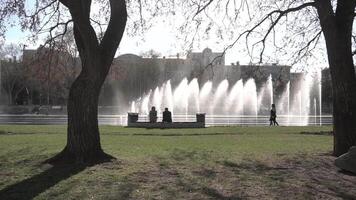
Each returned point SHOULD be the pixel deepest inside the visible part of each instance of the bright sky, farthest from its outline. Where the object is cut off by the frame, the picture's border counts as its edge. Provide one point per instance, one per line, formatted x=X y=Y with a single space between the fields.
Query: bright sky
x=162 y=39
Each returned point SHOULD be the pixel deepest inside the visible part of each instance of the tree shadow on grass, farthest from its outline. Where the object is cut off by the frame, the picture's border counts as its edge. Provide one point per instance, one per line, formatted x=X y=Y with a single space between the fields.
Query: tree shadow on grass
x=215 y=194
x=184 y=155
x=123 y=191
x=182 y=134
x=188 y=176
x=33 y=186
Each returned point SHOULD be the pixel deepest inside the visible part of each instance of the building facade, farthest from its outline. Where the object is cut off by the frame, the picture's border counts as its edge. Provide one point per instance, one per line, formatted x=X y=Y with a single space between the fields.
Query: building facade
x=51 y=73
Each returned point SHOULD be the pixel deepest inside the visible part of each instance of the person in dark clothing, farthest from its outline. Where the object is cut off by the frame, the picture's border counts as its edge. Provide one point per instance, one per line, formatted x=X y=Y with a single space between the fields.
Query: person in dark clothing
x=167 y=116
x=153 y=115
x=273 y=116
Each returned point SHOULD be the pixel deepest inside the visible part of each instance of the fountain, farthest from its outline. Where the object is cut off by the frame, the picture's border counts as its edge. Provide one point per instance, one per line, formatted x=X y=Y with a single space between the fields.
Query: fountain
x=168 y=96
x=283 y=105
x=315 y=111
x=235 y=101
x=180 y=98
x=218 y=100
x=204 y=95
x=133 y=106
x=145 y=103
x=265 y=96
x=157 y=99
x=250 y=98
x=193 y=96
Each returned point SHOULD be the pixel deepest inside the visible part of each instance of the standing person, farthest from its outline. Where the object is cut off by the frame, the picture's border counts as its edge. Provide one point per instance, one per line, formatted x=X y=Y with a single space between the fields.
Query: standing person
x=153 y=115
x=272 y=119
x=167 y=116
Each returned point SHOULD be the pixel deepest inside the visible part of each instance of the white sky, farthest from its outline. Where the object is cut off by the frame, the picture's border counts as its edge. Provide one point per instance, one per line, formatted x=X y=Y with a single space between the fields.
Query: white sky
x=163 y=39
x=160 y=38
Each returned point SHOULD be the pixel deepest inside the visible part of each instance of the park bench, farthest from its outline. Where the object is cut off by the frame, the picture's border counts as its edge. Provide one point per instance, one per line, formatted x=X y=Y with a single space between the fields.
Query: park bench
x=132 y=121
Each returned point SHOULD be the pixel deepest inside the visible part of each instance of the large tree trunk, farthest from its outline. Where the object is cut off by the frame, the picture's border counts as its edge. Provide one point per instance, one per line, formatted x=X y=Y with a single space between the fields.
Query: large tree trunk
x=337 y=29
x=344 y=99
x=83 y=138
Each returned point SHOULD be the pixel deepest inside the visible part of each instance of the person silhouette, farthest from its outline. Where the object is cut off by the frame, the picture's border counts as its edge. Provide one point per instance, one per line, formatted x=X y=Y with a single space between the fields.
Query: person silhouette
x=167 y=116
x=153 y=115
x=273 y=116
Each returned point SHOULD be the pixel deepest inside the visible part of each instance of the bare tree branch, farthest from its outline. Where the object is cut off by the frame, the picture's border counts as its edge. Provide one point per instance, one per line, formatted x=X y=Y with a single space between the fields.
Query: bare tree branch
x=101 y=34
x=273 y=17
x=200 y=9
x=65 y=29
x=306 y=48
x=280 y=14
x=39 y=10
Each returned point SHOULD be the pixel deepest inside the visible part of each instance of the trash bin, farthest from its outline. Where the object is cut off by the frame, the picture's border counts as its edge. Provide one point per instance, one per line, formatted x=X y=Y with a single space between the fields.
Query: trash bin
x=201 y=117
x=132 y=117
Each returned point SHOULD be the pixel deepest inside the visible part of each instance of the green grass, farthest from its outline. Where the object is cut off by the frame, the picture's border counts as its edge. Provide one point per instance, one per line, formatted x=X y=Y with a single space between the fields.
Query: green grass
x=210 y=163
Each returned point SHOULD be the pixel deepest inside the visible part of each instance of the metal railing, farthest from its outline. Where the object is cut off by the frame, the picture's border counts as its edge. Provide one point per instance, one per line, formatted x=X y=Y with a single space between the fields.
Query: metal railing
x=210 y=120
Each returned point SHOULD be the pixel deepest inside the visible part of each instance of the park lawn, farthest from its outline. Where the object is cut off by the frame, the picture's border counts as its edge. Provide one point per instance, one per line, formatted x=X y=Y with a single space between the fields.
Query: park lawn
x=211 y=163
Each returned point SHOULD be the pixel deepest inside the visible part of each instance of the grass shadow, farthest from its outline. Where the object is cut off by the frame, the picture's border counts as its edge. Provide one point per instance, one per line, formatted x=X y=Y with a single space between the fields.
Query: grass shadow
x=127 y=186
x=184 y=155
x=347 y=173
x=332 y=188
x=213 y=193
x=33 y=186
x=181 y=134
x=124 y=190
x=328 y=133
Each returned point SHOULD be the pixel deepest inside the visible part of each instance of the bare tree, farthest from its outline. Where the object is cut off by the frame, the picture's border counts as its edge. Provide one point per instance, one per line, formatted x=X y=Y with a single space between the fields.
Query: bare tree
x=12 y=77
x=97 y=36
x=53 y=69
x=83 y=143
x=96 y=54
x=294 y=29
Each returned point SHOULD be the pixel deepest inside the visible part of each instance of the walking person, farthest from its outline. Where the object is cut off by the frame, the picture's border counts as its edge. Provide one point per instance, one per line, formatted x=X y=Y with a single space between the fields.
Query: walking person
x=273 y=116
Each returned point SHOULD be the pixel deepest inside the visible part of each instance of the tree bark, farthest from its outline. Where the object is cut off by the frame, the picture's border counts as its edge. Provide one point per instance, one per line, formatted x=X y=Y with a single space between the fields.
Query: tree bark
x=337 y=30
x=83 y=138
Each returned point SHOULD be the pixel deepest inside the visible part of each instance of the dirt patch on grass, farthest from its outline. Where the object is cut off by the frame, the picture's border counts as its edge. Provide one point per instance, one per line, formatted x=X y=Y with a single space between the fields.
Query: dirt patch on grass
x=313 y=177
x=297 y=178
